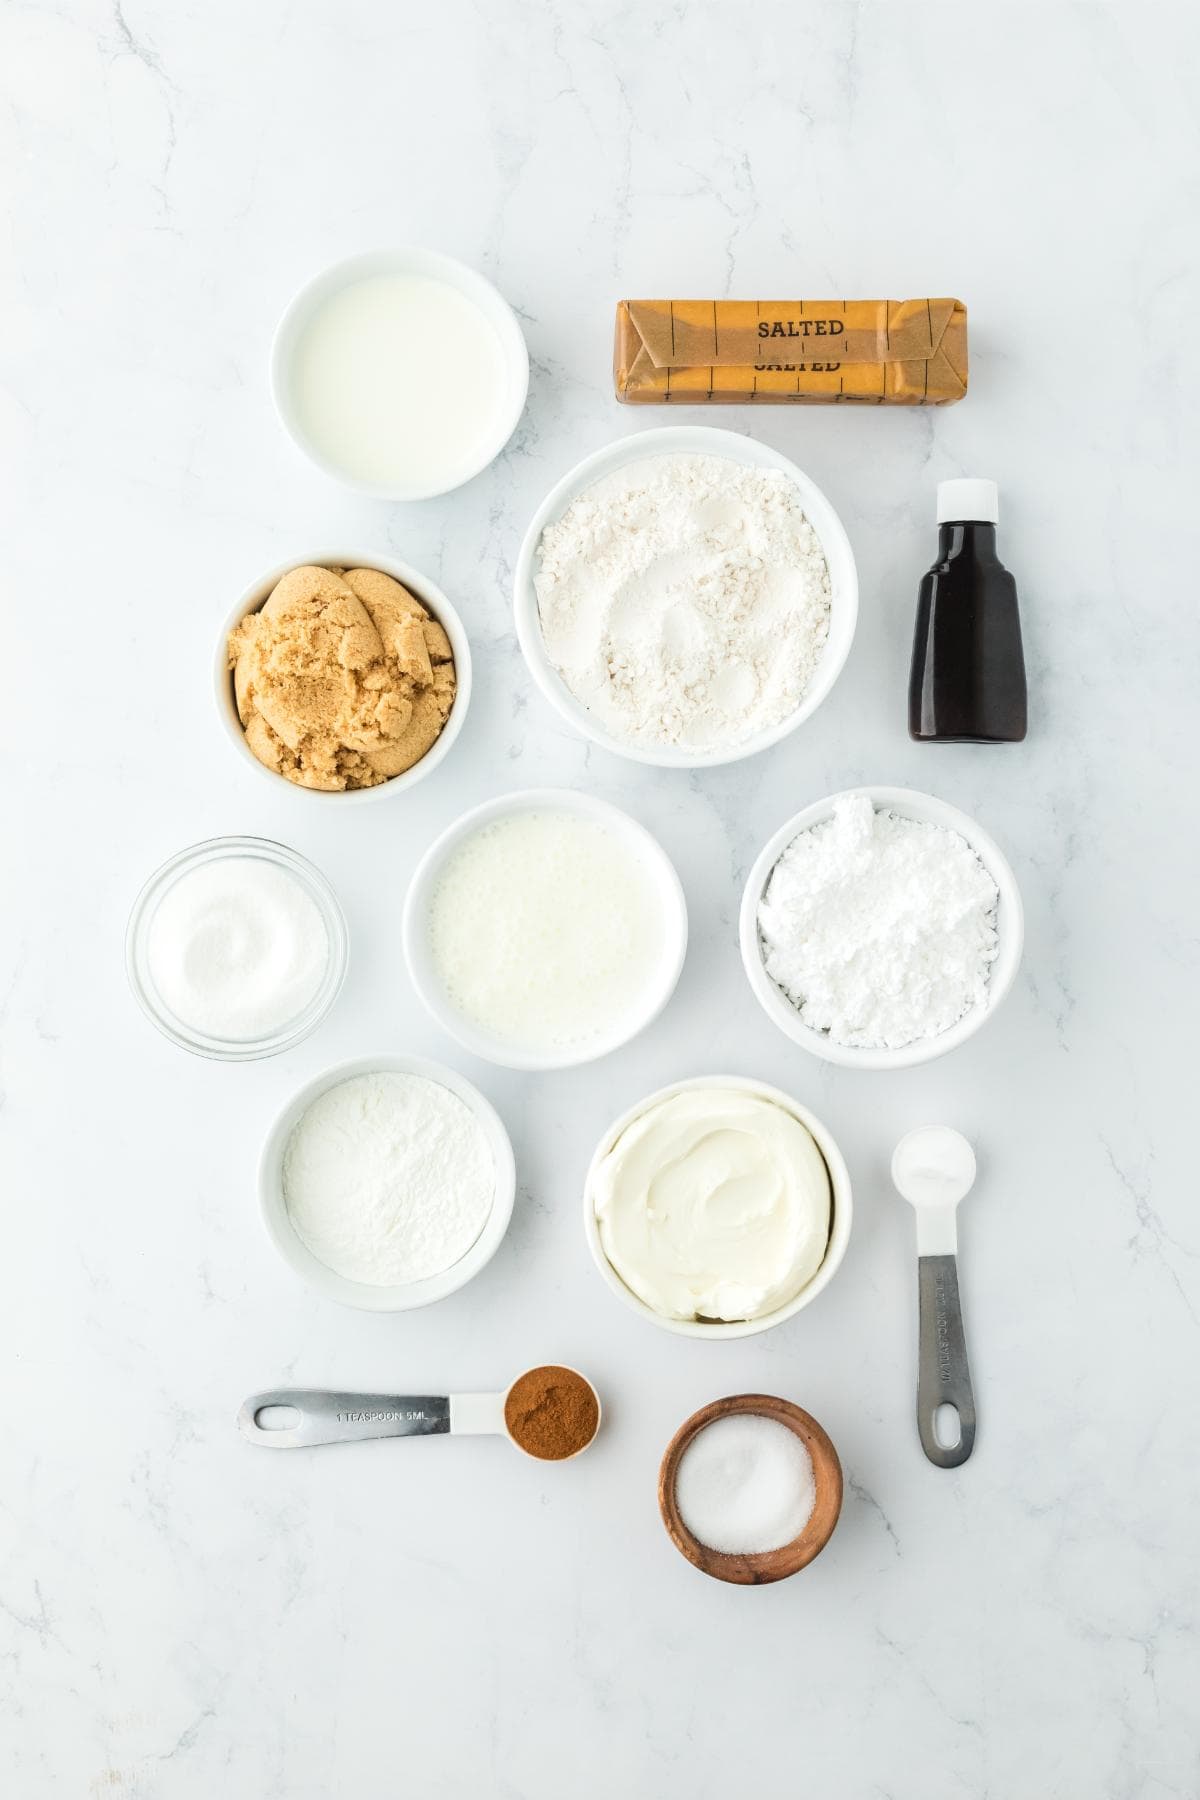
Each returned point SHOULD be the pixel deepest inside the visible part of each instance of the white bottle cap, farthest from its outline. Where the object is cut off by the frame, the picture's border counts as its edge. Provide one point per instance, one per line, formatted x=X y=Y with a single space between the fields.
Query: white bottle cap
x=959 y=501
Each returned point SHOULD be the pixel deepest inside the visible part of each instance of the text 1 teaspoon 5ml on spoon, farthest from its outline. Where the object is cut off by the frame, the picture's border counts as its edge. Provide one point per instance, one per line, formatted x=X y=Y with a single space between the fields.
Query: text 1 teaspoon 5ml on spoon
x=550 y=1413
x=934 y=1168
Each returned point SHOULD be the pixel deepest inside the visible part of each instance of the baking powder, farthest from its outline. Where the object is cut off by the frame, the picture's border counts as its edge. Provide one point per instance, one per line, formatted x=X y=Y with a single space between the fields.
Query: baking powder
x=881 y=930
x=388 y=1178
x=684 y=600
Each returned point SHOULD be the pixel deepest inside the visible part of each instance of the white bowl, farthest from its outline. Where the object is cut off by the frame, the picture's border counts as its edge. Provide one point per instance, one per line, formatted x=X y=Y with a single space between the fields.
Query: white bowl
x=431 y=597
x=365 y=1295
x=1010 y=931
x=404 y=261
x=678 y=440
x=839 y=1235
x=419 y=958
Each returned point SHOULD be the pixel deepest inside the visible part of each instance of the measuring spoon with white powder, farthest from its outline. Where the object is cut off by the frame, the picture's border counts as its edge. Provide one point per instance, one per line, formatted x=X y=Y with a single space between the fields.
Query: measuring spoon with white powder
x=550 y=1413
x=933 y=1169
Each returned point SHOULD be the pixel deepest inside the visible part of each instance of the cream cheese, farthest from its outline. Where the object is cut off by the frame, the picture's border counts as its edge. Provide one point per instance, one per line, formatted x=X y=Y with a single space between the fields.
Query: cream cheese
x=714 y=1204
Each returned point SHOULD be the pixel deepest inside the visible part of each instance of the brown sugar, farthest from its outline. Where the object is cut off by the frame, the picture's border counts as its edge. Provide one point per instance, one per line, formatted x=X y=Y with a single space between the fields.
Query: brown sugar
x=342 y=679
x=551 y=1412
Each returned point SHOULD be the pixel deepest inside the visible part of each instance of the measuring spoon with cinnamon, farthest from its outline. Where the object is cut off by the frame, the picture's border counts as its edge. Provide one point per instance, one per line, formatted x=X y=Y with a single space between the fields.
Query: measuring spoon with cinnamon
x=551 y=1413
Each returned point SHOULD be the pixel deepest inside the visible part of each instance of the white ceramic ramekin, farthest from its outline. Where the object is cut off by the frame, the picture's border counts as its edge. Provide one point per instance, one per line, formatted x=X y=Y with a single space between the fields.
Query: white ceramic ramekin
x=679 y=440
x=419 y=958
x=839 y=1235
x=361 y=1294
x=402 y=261
x=1010 y=931
x=423 y=590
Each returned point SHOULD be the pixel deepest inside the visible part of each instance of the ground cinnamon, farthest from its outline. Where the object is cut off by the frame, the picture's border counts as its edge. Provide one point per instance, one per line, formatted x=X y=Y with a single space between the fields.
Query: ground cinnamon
x=551 y=1412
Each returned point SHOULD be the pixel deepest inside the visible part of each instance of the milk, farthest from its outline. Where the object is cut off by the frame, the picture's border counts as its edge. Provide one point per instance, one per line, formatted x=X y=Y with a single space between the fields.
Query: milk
x=547 y=930
x=400 y=381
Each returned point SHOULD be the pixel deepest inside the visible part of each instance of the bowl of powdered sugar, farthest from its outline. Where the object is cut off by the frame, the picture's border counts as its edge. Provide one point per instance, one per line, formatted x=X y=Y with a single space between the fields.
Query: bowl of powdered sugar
x=387 y=1183
x=686 y=597
x=881 y=928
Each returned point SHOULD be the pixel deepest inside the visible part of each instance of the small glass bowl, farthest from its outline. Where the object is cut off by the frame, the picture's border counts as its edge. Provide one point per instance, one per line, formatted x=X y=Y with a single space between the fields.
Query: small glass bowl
x=137 y=964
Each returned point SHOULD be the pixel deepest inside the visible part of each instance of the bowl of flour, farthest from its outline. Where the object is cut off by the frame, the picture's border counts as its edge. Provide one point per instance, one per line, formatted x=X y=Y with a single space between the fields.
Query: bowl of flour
x=686 y=597
x=881 y=928
x=387 y=1183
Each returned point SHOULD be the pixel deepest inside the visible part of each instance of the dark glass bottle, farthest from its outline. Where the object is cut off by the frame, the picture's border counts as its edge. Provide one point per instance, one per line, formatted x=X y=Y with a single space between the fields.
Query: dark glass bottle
x=967 y=683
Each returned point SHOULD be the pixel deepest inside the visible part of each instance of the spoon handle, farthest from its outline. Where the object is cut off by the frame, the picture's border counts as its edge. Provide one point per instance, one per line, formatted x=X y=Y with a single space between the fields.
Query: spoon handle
x=944 y=1374
x=325 y=1418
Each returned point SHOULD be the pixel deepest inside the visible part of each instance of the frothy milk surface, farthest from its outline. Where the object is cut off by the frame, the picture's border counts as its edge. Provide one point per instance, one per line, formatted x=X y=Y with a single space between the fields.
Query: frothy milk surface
x=400 y=380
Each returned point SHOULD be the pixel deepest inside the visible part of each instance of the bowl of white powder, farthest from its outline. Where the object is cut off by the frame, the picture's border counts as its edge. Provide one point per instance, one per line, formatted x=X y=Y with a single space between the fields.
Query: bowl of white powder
x=686 y=597
x=881 y=928
x=387 y=1183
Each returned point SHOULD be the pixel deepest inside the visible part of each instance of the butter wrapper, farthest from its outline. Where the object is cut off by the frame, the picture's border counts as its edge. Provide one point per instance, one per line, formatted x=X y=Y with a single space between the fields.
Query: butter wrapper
x=781 y=352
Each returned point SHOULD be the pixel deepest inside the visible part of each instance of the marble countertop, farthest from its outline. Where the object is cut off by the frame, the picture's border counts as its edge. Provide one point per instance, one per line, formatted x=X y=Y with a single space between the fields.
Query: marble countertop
x=181 y=1616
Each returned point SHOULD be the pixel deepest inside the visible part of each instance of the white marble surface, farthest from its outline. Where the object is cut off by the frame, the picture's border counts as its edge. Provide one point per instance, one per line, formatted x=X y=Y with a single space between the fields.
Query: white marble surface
x=182 y=1616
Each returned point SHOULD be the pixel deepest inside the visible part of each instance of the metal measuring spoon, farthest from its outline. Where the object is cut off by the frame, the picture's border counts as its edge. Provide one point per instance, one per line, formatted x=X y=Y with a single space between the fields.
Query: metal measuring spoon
x=934 y=1168
x=337 y=1418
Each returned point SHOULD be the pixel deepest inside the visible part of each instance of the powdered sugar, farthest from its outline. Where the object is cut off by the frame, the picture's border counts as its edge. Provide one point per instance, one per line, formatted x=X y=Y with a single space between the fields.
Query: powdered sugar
x=881 y=930
x=685 y=600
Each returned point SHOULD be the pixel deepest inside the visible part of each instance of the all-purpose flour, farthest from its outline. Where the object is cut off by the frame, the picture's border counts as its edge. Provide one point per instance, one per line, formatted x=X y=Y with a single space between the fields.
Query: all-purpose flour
x=388 y=1178
x=684 y=600
x=881 y=930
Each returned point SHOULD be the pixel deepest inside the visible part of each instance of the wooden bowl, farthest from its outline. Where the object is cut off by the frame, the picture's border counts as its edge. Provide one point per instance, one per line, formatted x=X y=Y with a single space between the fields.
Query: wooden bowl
x=752 y=1569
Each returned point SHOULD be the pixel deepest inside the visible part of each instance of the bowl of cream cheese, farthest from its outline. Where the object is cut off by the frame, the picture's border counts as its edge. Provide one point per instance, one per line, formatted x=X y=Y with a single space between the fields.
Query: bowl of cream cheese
x=717 y=1207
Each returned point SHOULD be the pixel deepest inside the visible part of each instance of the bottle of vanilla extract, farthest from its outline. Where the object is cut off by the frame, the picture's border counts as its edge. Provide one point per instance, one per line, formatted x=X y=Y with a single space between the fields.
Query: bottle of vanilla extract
x=967 y=683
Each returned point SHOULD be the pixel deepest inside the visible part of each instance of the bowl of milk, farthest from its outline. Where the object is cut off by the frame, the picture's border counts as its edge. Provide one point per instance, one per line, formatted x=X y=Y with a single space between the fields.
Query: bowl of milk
x=400 y=373
x=545 y=929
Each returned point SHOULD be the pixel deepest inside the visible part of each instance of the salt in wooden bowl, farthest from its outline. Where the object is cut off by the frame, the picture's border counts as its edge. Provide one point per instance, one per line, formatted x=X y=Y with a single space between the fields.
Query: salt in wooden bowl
x=752 y=1569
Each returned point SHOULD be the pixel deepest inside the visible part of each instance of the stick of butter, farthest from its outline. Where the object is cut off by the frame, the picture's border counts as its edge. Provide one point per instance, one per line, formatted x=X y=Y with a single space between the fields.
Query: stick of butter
x=866 y=352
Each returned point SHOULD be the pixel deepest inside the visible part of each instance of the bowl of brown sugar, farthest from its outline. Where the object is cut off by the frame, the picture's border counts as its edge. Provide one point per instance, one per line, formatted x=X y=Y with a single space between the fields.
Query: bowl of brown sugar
x=343 y=677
